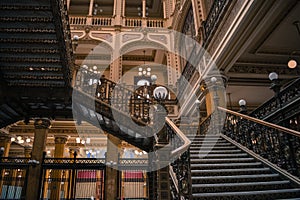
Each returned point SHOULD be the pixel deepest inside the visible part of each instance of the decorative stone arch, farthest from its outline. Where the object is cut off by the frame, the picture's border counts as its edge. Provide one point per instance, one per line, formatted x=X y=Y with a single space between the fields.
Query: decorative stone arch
x=136 y=45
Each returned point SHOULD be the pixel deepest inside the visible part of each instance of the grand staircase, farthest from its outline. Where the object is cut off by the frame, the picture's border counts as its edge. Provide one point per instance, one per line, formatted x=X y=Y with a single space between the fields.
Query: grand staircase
x=35 y=60
x=220 y=170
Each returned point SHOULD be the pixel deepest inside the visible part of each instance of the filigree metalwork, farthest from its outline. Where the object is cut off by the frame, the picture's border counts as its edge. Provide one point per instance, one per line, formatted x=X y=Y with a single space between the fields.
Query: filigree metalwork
x=272 y=144
x=288 y=96
x=214 y=17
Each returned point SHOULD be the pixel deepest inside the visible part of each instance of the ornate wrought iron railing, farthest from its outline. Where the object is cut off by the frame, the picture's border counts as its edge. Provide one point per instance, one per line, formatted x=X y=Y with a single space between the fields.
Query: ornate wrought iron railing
x=271 y=110
x=180 y=169
x=214 y=17
x=110 y=97
x=277 y=144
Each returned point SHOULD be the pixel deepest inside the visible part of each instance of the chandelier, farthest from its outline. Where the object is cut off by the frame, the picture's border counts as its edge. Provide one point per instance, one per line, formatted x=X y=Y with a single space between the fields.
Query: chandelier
x=144 y=71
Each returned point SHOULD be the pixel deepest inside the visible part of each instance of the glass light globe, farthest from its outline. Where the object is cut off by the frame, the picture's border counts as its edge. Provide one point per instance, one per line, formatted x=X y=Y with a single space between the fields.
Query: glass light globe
x=273 y=76
x=160 y=92
x=153 y=77
x=148 y=73
x=95 y=67
x=76 y=37
x=140 y=73
x=148 y=69
x=140 y=69
x=292 y=64
x=213 y=79
x=144 y=72
x=242 y=102
x=84 y=66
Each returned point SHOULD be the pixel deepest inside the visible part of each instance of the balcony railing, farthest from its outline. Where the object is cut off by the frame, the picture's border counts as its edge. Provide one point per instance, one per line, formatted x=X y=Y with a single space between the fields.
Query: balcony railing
x=157 y=23
x=133 y=22
x=109 y=21
x=215 y=14
x=77 y=20
x=102 y=21
x=289 y=97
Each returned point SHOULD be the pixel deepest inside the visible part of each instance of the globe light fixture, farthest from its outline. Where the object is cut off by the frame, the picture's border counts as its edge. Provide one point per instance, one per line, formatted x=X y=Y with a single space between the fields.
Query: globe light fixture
x=273 y=76
x=292 y=63
x=242 y=102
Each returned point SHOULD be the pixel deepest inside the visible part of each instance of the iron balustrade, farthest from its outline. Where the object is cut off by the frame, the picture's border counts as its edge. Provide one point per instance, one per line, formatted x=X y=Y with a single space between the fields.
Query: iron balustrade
x=180 y=157
x=277 y=144
x=110 y=97
x=214 y=16
x=290 y=98
x=13 y=177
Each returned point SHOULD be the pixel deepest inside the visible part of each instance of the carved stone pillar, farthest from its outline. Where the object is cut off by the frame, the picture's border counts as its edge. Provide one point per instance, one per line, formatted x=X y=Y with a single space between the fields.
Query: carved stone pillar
x=39 y=146
x=5 y=144
x=173 y=64
x=117 y=13
x=116 y=69
x=27 y=151
x=60 y=141
x=163 y=160
x=214 y=93
x=111 y=179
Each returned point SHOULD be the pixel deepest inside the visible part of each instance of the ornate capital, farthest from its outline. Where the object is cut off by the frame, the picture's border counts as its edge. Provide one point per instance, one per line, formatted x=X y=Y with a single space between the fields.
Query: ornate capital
x=5 y=138
x=42 y=123
x=61 y=139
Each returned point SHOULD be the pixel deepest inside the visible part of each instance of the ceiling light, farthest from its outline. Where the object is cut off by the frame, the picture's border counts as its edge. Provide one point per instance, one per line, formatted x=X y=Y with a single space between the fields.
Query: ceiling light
x=88 y=140
x=292 y=64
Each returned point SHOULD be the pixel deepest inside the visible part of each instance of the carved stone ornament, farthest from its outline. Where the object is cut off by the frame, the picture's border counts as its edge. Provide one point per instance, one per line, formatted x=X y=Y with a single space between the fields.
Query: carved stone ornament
x=43 y=123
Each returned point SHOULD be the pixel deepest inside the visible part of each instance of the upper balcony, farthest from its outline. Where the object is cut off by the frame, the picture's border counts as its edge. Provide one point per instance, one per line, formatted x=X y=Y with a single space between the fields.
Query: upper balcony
x=126 y=22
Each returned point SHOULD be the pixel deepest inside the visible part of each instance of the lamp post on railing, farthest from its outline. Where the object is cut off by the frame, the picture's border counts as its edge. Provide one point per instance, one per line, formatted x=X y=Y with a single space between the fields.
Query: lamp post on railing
x=160 y=93
x=286 y=138
x=243 y=108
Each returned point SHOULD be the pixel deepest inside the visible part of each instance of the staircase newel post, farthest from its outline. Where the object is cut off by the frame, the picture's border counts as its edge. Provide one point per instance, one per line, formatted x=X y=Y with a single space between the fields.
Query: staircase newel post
x=162 y=164
x=162 y=147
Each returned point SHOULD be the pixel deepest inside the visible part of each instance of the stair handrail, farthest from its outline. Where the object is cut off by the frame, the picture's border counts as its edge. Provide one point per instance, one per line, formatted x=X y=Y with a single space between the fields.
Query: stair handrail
x=186 y=142
x=289 y=94
x=108 y=105
x=262 y=122
x=180 y=157
x=277 y=144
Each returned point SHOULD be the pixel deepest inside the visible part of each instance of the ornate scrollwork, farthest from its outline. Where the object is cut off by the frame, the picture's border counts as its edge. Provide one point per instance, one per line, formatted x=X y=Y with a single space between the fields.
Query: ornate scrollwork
x=276 y=146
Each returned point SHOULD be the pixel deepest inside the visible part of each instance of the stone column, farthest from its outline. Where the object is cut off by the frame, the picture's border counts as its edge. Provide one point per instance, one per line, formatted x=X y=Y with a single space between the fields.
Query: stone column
x=214 y=93
x=111 y=178
x=162 y=163
x=5 y=144
x=173 y=69
x=27 y=151
x=118 y=12
x=144 y=8
x=35 y=171
x=91 y=7
x=60 y=141
x=123 y=8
